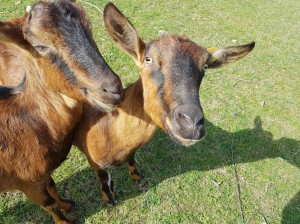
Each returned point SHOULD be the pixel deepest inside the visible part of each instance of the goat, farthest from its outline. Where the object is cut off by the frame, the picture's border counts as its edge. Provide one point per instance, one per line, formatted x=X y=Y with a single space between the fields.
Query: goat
x=49 y=66
x=165 y=96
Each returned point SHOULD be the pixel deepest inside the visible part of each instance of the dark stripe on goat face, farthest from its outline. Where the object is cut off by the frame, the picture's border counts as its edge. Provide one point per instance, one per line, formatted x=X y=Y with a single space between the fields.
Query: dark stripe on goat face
x=75 y=31
x=176 y=70
x=186 y=72
x=62 y=29
x=184 y=80
x=157 y=75
x=62 y=65
x=159 y=79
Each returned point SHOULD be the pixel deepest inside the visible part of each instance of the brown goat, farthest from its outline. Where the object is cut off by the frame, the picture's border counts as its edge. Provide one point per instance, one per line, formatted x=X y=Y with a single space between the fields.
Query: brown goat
x=49 y=66
x=165 y=96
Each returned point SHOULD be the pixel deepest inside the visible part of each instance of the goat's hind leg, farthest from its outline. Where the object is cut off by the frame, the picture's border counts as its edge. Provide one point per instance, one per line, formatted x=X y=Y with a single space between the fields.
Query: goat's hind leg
x=63 y=204
x=39 y=194
x=133 y=171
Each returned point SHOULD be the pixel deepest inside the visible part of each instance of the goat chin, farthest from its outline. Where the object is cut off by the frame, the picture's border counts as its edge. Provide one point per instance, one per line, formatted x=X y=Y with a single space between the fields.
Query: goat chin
x=105 y=107
x=185 y=142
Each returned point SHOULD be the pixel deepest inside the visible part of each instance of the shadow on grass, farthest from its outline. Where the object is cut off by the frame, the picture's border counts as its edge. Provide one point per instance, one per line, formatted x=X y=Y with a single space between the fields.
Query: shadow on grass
x=159 y=161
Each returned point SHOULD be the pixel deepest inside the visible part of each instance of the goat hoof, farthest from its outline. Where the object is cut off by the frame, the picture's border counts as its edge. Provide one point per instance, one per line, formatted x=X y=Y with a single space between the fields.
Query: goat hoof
x=111 y=203
x=66 y=205
x=109 y=198
x=71 y=219
x=137 y=175
x=67 y=221
x=69 y=201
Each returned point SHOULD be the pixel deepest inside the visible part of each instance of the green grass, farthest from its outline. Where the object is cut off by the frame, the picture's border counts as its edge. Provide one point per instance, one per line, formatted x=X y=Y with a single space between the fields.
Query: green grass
x=250 y=150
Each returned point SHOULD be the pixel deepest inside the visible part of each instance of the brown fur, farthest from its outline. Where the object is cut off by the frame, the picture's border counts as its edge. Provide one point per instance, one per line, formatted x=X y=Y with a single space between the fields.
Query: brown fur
x=36 y=123
x=112 y=139
x=109 y=139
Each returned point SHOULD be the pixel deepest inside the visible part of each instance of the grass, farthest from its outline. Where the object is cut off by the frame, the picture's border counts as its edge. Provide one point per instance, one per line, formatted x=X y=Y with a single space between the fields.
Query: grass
x=246 y=170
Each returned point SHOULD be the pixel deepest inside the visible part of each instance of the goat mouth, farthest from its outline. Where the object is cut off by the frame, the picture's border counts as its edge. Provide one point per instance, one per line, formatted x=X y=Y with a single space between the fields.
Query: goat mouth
x=105 y=107
x=177 y=138
x=185 y=142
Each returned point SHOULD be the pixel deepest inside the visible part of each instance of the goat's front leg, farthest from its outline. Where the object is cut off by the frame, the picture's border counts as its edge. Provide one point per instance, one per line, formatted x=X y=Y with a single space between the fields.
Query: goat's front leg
x=107 y=188
x=38 y=193
x=133 y=171
x=107 y=185
x=63 y=204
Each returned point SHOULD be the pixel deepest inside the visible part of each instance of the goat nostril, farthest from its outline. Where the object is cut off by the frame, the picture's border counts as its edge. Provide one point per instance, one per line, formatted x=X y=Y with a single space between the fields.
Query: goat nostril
x=84 y=91
x=114 y=93
x=111 y=91
x=199 y=122
x=184 y=118
x=189 y=119
x=115 y=90
x=180 y=116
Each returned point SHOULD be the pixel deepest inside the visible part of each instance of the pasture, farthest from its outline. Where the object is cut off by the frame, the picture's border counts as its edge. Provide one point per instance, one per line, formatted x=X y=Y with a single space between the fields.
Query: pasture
x=247 y=169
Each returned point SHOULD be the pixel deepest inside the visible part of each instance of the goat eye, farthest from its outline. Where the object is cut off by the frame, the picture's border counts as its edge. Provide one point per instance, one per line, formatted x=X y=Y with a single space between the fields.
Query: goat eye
x=84 y=91
x=41 y=48
x=205 y=66
x=148 y=60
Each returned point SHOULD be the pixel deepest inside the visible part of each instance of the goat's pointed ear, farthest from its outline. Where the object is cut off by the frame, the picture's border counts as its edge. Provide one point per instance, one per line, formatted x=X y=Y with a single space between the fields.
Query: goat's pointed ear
x=11 y=31
x=123 y=32
x=29 y=25
x=227 y=55
x=5 y=30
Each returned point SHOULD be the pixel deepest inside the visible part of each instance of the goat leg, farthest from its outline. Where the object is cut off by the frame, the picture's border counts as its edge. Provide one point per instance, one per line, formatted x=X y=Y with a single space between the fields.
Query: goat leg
x=63 y=204
x=133 y=171
x=39 y=194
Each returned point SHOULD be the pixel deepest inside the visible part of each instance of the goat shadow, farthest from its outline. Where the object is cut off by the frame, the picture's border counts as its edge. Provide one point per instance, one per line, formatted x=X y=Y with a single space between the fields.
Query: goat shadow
x=250 y=145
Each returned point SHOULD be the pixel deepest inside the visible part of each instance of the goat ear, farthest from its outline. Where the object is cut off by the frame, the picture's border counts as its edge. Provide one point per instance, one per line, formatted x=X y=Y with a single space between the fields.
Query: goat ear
x=33 y=13
x=11 y=31
x=227 y=55
x=123 y=32
x=6 y=29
